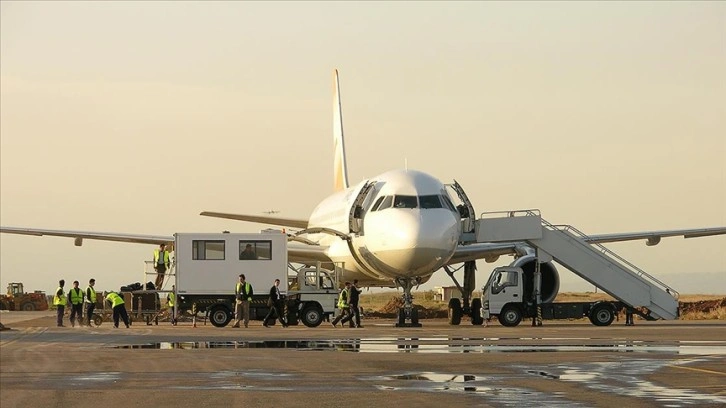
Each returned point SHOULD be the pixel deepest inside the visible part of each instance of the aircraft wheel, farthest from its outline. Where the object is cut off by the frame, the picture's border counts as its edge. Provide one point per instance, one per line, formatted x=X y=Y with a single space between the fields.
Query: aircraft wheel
x=455 y=311
x=476 y=318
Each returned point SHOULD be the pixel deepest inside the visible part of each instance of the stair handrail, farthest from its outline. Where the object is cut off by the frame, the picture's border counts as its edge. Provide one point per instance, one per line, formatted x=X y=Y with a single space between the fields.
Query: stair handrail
x=608 y=252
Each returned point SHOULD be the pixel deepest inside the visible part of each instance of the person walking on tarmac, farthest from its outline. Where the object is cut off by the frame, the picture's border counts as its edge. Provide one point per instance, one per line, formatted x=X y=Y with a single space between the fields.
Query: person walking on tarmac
x=119 y=309
x=75 y=298
x=243 y=297
x=354 y=308
x=90 y=300
x=161 y=264
x=170 y=302
x=59 y=301
x=344 y=306
x=276 y=305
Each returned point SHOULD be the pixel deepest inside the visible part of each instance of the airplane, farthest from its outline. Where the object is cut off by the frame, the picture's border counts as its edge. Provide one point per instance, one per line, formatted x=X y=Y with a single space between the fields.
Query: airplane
x=392 y=230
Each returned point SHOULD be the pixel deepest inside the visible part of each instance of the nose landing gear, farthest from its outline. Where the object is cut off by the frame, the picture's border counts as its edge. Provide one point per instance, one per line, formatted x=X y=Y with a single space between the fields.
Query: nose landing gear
x=407 y=315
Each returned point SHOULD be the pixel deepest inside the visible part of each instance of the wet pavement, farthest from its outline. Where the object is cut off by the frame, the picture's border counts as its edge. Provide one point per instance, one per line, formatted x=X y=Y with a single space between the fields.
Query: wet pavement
x=678 y=364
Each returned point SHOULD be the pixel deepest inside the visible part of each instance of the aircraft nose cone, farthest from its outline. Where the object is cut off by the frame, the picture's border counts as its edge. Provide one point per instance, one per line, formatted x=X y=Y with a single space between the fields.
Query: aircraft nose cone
x=416 y=242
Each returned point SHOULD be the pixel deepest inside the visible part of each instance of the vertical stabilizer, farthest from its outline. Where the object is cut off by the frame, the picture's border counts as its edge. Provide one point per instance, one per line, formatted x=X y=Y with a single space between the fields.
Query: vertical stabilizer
x=340 y=168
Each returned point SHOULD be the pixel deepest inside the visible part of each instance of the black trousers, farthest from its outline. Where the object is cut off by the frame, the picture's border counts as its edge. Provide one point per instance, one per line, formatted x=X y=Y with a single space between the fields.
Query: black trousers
x=356 y=313
x=90 y=307
x=120 y=311
x=277 y=308
x=59 y=314
x=160 y=271
x=76 y=311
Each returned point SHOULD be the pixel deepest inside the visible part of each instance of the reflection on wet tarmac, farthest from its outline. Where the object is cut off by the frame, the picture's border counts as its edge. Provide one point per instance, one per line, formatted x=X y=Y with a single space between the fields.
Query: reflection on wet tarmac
x=628 y=377
x=446 y=345
x=492 y=388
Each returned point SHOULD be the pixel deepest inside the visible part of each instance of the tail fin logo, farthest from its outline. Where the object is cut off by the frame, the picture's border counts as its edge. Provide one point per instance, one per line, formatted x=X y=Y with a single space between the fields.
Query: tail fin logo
x=340 y=168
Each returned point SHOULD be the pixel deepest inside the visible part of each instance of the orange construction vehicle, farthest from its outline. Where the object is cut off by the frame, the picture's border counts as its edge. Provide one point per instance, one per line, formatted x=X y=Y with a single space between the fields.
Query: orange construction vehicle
x=17 y=299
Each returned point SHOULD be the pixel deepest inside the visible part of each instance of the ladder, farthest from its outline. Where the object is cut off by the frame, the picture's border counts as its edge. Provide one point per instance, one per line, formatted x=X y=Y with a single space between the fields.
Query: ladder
x=592 y=262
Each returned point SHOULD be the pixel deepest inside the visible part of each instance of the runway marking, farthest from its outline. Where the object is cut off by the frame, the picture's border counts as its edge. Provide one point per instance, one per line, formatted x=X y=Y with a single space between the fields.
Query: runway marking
x=699 y=369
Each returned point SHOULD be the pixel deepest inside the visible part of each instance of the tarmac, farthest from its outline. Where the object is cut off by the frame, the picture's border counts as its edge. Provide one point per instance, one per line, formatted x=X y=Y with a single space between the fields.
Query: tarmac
x=561 y=364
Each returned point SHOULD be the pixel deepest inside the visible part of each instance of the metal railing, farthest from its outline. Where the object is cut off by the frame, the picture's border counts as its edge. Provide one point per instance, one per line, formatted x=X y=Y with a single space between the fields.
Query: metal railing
x=581 y=235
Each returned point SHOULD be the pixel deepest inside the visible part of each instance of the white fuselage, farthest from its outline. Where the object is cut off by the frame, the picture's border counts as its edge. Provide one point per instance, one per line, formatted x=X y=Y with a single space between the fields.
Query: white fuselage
x=409 y=228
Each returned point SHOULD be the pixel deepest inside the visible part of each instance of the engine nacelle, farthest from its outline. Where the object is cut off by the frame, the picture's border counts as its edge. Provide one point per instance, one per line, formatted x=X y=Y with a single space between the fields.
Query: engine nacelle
x=550 y=278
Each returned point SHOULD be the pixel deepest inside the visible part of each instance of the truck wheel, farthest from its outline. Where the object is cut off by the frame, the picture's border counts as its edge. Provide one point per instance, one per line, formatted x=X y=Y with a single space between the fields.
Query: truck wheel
x=510 y=316
x=27 y=307
x=455 y=311
x=220 y=316
x=476 y=318
x=602 y=315
x=312 y=316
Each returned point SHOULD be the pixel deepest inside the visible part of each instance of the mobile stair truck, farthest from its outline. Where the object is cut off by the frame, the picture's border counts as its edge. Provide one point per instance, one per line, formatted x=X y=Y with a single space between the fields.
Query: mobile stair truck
x=526 y=289
x=207 y=266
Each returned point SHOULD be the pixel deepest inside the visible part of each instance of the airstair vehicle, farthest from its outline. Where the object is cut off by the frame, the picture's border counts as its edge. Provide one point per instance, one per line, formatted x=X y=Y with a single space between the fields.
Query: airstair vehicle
x=632 y=287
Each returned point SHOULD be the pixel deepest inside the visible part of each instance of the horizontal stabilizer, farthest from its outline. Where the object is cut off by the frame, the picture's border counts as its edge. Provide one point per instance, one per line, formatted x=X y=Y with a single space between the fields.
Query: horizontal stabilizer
x=284 y=222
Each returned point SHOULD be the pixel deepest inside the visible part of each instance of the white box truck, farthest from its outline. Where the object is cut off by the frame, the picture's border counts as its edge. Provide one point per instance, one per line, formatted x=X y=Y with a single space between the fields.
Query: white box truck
x=207 y=268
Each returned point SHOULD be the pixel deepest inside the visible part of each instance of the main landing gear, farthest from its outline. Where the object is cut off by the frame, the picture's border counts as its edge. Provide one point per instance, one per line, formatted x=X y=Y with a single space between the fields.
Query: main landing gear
x=407 y=315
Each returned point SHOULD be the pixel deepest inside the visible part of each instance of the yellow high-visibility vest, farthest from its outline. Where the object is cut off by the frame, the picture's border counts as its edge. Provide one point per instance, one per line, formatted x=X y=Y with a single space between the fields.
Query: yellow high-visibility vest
x=238 y=288
x=157 y=256
x=59 y=300
x=171 y=298
x=343 y=299
x=76 y=296
x=92 y=298
x=115 y=299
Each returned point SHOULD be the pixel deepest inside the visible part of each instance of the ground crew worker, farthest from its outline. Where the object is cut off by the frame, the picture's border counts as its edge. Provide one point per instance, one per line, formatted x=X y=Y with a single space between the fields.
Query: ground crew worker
x=161 y=264
x=344 y=307
x=75 y=298
x=119 y=309
x=243 y=297
x=90 y=300
x=170 y=302
x=59 y=301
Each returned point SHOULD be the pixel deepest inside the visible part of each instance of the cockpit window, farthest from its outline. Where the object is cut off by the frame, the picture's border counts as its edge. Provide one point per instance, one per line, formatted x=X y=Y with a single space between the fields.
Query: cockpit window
x=386 y=203
x=430 y=201
x=403 y=201
x=378 y=203
x=448 y=203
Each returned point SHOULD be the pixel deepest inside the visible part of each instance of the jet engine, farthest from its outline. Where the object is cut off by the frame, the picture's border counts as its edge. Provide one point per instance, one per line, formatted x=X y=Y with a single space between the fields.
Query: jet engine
x=550 y=278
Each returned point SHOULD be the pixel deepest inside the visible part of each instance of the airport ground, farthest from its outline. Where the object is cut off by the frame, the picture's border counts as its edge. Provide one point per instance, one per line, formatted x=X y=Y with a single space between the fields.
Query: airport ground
x=561 y=364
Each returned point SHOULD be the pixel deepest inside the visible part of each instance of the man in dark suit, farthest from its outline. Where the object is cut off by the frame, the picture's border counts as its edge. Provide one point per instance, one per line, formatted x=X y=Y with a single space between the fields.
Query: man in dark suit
x=354 y=308
x=276 y=304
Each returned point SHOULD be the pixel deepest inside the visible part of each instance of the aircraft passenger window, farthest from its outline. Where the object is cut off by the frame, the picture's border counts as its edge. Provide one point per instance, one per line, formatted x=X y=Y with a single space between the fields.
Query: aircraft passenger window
x=403 y=201
x=430 y=201
x=207 y=250
x=387 y=203
x=251 y=250
x=448 y=203
x=378 y=203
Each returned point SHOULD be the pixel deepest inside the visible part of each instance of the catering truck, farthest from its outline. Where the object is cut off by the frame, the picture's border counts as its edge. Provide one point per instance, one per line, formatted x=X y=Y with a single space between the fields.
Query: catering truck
x=207 y=266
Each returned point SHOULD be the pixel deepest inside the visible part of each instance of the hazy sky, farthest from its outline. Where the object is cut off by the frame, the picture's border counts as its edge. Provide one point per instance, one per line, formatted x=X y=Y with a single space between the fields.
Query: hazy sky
x=135 y=116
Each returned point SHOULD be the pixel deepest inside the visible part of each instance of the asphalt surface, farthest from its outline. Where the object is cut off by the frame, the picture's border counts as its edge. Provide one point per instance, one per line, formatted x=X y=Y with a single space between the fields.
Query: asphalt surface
x=570 y=364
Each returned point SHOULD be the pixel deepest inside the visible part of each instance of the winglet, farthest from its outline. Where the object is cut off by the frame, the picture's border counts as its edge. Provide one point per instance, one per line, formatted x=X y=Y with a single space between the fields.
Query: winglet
x=340 y=168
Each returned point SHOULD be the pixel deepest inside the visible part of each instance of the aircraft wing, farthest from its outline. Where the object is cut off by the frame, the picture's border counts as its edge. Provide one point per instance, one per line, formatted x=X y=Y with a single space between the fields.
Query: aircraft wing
x=486 y=250
x=284 y=222
x=654 y=237
x=81 y=235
